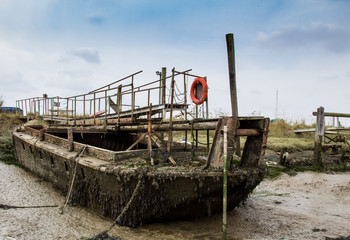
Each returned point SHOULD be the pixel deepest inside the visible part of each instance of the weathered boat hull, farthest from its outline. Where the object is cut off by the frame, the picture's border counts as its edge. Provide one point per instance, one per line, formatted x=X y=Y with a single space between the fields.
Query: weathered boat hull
x=166 y=193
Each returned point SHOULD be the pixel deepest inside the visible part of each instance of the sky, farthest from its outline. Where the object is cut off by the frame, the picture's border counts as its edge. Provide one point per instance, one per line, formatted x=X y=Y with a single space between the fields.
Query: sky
x=300 y=48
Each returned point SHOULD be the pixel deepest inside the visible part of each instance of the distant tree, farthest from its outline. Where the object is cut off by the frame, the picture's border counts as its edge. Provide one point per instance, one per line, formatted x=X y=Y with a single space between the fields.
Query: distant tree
x=1 y=101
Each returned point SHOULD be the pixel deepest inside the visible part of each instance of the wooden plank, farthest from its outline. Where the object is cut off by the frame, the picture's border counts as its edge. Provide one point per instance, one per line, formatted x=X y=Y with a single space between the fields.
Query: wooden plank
x=331 y=114
x=215 y=157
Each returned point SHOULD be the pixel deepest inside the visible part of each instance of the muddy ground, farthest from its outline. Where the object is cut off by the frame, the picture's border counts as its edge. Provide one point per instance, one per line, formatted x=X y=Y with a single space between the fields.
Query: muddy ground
x=308 y=205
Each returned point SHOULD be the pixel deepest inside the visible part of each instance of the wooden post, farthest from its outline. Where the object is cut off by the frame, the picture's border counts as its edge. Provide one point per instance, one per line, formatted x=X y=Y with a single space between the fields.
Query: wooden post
x=90 y=107
x=264 y=141
x=52 y=107
x=42 y=134
x=207 y=116
x=38 y=100
x=149 y=97
x=106 y=112
x=196 y=130
x=25 y=103
x=34 y=105
x=75 y=111
x=67 y=108
x=132 y=98
x=170 y=136
x=233 y=88
x=185 y=101
x=149 y=143
x=70 y=140
x=163 y=89
x=319 y=138
x=224 y=200
x=94 y=108
x=163 y=85
x=84 y=109
x=119 y=101
x=58 y=105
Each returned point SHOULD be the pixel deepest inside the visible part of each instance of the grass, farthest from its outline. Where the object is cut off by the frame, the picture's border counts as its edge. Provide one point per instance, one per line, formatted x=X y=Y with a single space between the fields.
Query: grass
x=8 y=122
x=281 y=137
x=290 y=144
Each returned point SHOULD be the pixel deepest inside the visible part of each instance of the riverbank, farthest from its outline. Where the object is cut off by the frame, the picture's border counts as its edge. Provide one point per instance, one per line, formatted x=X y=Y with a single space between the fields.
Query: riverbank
x=306 y=206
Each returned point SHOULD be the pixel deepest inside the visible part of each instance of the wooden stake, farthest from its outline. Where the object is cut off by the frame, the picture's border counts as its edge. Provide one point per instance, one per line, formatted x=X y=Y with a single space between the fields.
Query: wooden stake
x=233 y=88
x=170 y=135
x=224 y=200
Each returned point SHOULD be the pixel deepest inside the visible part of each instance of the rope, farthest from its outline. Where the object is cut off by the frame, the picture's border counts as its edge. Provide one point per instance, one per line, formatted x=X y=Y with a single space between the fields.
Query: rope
x=125 y=209
x=5 y=207
x=74 y=174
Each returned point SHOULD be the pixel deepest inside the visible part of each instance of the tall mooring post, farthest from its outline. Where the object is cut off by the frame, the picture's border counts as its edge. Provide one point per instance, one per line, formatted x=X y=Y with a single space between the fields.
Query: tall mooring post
x=233 y=89
x=319 y=138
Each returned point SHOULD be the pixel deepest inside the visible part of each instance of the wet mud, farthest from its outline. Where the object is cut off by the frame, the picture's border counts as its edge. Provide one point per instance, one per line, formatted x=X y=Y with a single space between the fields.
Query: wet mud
x=305 y=206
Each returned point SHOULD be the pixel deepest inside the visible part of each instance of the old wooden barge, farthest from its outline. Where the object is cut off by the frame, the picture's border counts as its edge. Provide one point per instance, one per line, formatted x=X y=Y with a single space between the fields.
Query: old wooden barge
x=106 y=152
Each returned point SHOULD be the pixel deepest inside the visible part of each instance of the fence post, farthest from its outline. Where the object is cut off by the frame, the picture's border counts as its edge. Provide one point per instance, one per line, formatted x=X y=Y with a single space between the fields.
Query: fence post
x=319 y=138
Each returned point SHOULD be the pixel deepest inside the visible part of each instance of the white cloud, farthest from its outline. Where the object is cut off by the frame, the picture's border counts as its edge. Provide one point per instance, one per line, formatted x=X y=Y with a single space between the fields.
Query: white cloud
x=89 y=55
x=331 y=38
x=10 y=54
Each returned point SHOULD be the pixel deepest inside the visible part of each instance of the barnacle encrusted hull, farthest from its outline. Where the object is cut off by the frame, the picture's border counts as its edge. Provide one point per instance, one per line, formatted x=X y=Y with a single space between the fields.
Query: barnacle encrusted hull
x=165 y=192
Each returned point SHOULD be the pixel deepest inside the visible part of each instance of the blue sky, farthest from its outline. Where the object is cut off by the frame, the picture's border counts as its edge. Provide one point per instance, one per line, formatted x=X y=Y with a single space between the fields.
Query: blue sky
x=300 y=48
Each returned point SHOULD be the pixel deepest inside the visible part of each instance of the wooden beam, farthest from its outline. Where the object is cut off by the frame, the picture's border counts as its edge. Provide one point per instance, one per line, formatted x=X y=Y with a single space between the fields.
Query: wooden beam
x=331 y=114
x=233 y=87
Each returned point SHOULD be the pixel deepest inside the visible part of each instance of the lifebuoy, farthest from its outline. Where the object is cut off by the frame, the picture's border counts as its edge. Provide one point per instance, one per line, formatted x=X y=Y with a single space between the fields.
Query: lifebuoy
x=205 y=90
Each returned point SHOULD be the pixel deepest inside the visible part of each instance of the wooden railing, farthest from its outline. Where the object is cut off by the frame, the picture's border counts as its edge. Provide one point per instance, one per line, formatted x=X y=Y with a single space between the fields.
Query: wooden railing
x=111 y=99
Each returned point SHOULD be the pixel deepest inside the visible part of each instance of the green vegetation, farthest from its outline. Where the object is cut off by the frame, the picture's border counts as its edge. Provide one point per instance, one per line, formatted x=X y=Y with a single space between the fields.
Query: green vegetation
x=281 y=137
x=7 y=124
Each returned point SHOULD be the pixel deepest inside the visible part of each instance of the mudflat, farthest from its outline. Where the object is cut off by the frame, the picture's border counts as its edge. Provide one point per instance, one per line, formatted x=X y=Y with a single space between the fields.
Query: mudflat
x=306 y=206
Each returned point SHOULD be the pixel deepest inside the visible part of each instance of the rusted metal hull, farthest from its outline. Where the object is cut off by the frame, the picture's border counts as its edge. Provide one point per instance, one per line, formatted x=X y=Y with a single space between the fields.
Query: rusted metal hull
x=105 y=184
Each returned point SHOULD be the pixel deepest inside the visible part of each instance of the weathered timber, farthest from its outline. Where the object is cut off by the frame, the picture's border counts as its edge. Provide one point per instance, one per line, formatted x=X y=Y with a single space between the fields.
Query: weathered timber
x=264 y=141
x=157 y=127
x=233 y=88
x=331 y=114
x=170 y=132
x=163 y=85
x=70 y=140
x=254 y=148
x=319 y=138
x=32 y=135
x=215 y=157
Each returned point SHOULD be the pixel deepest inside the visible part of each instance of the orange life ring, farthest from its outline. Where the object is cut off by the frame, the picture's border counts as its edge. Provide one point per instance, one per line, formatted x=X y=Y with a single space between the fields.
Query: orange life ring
x=205 y=90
